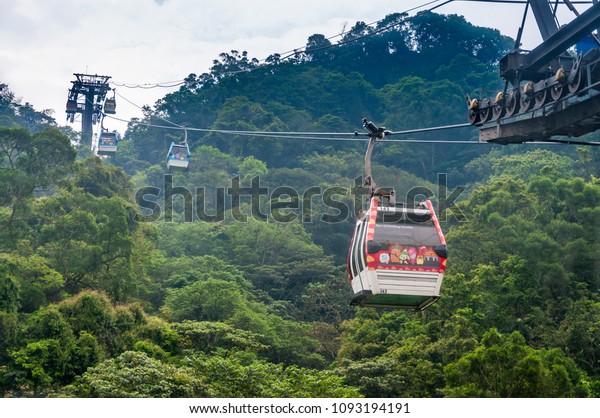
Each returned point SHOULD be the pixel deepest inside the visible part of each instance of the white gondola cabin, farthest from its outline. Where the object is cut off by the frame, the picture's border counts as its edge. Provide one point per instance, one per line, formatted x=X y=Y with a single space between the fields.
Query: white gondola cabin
x=108 y=143
x=179 y=156
x=397 y=257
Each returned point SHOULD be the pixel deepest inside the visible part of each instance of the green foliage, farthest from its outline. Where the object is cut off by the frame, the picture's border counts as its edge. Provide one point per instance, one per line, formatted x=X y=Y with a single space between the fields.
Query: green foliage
x=88 y=241
x=45 y=362
x=207 y=300
x=9 y=334
x=90 y=312
x=49 y=157
x=430 y=102
x=241 y=376
x=209 y=336
x=86 y=353
x=29 y=280
x=28 y=162
x=151 y=349
x=278 y=258
x=579 y=335
x=226 y=301
x=327 y=301
x=504 y=366
x=238 y=113
x=525 y=166
x=102 y=180
x=135 y=375
x=62 y=341
x=44 y=359
x=251 y=167
x=9 y=294
x=365 y=336
x=392 y=377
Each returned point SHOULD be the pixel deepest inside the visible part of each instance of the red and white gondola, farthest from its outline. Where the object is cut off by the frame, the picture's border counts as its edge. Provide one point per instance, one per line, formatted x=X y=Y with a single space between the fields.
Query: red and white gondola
x=397 y=257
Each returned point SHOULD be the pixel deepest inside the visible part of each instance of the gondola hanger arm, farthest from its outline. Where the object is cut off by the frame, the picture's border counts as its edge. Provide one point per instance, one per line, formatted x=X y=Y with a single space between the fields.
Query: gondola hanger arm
x=374 y=134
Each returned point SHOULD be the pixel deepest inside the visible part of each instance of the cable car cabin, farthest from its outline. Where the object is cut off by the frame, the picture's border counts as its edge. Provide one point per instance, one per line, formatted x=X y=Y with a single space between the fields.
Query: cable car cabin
x=71 y=106
x=110 y=106
x=397 y=257
x=179 y=156
x=108 y=142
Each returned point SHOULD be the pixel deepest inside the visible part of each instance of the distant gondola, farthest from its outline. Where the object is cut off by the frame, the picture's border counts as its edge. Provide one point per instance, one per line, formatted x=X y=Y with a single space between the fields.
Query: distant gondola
x=397 y=257
x=71 y=106
x=108 y=143
x=110 y=106
x=179 y=156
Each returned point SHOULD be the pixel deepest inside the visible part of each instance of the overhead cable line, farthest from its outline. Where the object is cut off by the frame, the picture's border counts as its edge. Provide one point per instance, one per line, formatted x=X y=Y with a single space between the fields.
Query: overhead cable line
x=141 y=108
x=435 y=128
x=280 y=133
x=349 y=137
x=166 y=84
x=330 y=136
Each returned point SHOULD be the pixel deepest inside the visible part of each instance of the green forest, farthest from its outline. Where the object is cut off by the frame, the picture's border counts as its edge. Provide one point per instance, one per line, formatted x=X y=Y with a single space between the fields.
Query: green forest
x=202 y=296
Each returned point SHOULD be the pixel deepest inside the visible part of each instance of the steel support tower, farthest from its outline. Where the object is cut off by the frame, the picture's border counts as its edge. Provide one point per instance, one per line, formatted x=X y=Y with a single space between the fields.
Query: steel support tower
x=86 y=96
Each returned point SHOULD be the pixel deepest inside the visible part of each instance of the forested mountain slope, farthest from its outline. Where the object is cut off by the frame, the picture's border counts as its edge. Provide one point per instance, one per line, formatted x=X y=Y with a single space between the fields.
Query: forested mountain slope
x=200 y=297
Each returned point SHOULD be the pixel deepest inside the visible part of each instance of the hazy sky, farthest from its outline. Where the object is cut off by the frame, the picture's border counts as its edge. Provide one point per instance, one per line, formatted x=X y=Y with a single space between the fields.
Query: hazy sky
x=43 y=42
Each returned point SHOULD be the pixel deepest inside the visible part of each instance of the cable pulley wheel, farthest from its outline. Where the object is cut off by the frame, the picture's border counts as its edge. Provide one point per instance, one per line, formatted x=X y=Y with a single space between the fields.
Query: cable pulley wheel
x=541 y=98
x=512 y=103
x=486 y=110
x=576 y=82
x=498 y=111
x=473 y=116
x=526 y=102
x=557 y=91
